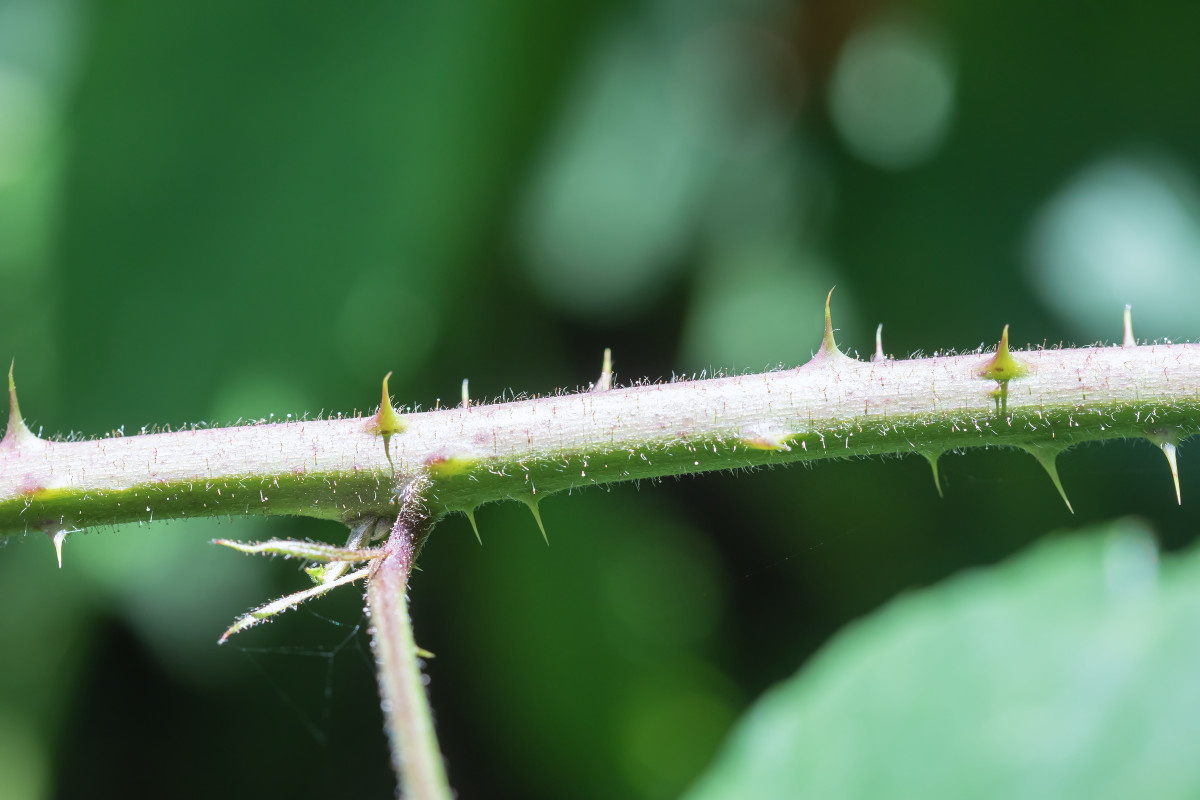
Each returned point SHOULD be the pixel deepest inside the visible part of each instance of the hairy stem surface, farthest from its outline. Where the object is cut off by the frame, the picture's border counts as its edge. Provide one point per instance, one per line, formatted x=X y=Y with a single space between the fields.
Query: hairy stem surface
x=415 y=753
x=831 y=407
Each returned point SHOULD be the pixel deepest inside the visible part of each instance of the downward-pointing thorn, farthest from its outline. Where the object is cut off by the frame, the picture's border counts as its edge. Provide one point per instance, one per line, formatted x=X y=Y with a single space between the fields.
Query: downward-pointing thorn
x=533 y=507
x=879 y=356
x=1046 y=456
x=1129 y=341
x=604 y=382
x=474 y=527
x=1169 y=449
x=59 y=537
x=932 y=458
x=1169 y=442
x=466 y=395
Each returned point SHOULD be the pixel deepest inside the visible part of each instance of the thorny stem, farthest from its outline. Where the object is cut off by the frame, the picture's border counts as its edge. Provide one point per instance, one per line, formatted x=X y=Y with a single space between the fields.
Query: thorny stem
x=415 y=753
x=832 y=407
x=417 y=467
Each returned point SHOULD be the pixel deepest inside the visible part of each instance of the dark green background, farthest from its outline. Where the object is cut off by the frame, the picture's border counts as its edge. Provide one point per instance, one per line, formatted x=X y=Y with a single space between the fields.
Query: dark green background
x=229 y=210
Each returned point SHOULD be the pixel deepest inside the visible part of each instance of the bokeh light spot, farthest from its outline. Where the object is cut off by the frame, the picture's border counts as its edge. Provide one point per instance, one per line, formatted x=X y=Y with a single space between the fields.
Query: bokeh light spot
x=892 y=96
x=1125 y=230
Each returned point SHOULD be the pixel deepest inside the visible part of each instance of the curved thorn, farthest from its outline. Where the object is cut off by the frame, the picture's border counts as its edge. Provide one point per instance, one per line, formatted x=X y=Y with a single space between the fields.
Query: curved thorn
x=533 y=507
x=1046 y=456
x=388 y=421
x=466 y=395
x=16 y=431
x=1168 y=442
x=474 y=527
x=1129 y=341
x=879 y=356
x=828 y=342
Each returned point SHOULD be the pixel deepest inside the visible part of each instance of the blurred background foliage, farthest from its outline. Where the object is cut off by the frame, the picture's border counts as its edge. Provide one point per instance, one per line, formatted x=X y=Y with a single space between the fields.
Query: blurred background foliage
x=220 y=211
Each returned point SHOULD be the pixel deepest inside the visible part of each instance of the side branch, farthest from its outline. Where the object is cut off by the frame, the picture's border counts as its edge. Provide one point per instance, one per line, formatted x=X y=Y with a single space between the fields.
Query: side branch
x=415 y=753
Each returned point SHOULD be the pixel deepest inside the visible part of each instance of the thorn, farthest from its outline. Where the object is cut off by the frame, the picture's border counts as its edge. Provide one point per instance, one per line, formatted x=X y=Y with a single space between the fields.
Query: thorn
x=604 y=382
x=474 y=527
x=1169 y=450
x=932 y=458
x=387 y=421
x=879 y=356
x=1046 y=455
x=828 y=345
x=59 y=537
x=1002 y=366
x=828 y=351
x=1129 y=340
x=533 y=506
x=16 y=432
x=466 y=395
x=1169 y=444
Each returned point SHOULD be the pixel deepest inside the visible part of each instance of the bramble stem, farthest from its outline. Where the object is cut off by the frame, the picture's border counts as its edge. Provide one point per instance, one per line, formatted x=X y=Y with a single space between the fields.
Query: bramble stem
x=832 y=407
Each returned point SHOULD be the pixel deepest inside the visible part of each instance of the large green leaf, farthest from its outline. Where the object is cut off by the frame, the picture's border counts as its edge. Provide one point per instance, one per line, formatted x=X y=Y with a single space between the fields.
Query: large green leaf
x=1071 y=671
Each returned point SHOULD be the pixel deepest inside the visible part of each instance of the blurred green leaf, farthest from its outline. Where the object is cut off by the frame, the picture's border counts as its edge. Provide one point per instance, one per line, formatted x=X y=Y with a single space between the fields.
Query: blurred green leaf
x=1069 y=671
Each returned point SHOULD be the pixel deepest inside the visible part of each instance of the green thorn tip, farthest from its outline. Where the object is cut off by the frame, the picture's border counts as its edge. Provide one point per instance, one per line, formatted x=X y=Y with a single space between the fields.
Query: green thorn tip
x=474 y=527
x=828 y=345
x=533 y=507
x=932 y=458
x=1046 y=456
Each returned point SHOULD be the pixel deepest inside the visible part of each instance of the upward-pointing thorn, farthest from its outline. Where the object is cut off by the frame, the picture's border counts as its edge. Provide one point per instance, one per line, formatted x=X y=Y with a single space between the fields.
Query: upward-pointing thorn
x=1002 y=366
x=387 y=421
x=879 y=356
x=16 y=432
x=1129 y=341
x=1046 y=456
x=604 y=382
x=828 y=352
x=828 y=344
x=466 y=395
